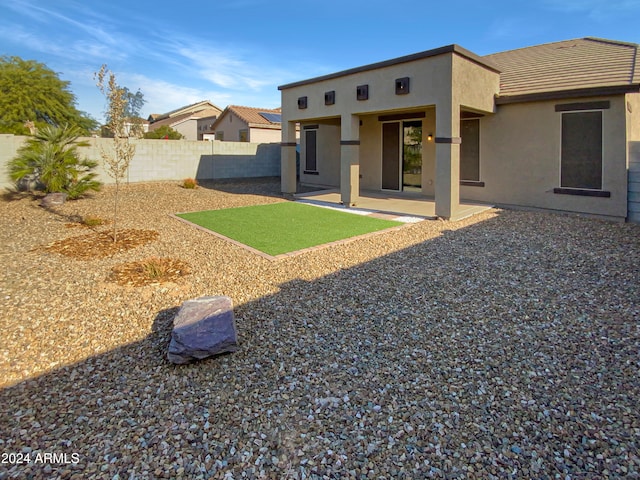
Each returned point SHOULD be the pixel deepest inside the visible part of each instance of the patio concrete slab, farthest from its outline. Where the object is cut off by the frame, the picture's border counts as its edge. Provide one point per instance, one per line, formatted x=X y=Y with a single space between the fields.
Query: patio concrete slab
x=411 y=207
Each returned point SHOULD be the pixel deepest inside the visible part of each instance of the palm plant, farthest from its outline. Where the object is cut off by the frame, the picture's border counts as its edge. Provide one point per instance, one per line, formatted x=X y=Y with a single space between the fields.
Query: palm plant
x=51 y=160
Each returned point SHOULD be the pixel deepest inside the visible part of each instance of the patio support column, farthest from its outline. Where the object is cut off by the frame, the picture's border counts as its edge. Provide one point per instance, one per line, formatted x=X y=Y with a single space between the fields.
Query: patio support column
x=350 y=159
x=447 y=188
x=288 y=145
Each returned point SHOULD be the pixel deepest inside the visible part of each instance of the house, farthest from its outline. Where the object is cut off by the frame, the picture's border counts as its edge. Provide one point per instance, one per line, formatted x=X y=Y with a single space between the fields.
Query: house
x=192 y=121
x=248 y=124
x=553 y=126
x=133 y=126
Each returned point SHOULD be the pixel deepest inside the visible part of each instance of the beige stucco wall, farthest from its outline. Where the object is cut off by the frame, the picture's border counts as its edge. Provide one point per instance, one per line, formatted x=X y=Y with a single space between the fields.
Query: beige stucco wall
x=430 y=84
x=520 y=159
x=633 y=116
x=633 y=136
x=328 y=154
x=473 y=87
x=264 y=135
x=188 y=128
x=204 y=126
x=519 y=143
x=231 y=126
x=371 y=152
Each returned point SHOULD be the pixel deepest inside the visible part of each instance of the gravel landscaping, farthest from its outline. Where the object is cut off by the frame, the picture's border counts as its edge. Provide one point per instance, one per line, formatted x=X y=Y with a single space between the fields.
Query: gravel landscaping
x=506 y=345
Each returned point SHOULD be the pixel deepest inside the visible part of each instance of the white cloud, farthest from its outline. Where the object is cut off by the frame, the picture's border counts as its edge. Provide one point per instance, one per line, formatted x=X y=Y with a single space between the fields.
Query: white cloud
x=162 y=96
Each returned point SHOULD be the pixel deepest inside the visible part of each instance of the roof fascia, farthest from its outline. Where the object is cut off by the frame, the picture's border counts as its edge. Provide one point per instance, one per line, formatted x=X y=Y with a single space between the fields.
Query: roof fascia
x=574 y=93
x=396 y=61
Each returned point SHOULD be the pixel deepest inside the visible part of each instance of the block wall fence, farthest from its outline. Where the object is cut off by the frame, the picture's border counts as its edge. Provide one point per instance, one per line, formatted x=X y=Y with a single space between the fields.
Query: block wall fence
x=157 y=160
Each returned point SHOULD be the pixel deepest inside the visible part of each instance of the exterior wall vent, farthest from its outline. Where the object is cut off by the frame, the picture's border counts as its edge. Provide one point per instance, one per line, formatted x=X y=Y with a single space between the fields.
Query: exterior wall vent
x=402 y=86
x=362 y=92
x=330 y=97
x=302 y=102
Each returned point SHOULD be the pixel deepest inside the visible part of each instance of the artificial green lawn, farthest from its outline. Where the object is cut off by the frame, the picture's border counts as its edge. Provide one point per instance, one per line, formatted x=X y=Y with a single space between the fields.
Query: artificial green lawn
x=284 y=227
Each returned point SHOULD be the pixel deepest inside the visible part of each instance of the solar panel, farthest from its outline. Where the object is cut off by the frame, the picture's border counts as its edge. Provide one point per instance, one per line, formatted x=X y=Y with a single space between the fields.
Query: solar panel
x=272 y=117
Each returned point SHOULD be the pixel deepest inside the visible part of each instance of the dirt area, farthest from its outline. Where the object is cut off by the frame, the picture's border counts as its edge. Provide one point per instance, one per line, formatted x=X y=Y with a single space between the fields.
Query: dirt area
x=501 y=346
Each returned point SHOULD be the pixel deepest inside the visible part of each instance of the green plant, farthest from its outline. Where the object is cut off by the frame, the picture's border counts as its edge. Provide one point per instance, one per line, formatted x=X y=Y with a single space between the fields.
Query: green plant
x=34 y=96
x=164 y=132
x=50 y=160
x=190 y=183
x=91 y=221
x=117 y=160
x=155 y=268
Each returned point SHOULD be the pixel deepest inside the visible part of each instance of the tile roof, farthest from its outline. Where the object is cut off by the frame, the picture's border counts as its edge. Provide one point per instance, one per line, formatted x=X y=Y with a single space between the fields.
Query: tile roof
x=170 y=121
x=192 y=109
x=251 y=115
x=567 y=65
x=207 y=112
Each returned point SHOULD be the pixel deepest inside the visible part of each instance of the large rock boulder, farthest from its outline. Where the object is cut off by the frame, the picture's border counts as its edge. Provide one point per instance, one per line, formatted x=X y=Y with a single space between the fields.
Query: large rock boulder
x=53 y=199
x=203 y=327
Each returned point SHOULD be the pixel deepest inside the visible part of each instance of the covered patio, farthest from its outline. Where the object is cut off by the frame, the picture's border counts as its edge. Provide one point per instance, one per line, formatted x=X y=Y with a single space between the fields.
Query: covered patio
x=391 y=204
x=383 y=129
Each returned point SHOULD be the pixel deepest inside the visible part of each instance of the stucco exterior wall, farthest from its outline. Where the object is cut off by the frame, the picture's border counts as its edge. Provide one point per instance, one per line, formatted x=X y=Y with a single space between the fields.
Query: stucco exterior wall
x=264 y=135
x=371 y=152
x=430 y=83
x=172 y=159
x=188 y=128
x=633 y=136
x=520 y=159
x=473 y=86
x=633 y=116
x=328 y=154
x=231 y=126
x=520 y=143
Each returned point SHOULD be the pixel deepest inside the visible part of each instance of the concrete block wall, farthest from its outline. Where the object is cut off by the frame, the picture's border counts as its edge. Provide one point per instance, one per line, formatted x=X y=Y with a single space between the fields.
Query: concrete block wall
x=157 y=160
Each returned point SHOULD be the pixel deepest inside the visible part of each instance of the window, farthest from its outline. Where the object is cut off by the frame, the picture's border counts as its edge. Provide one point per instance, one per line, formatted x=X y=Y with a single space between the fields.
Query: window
x=581 y=150
x=310 y=151
x=470 y=150
x=244 y=135
x=362 y=92
x=330 y=97
x=220 y=136
x=402 y=86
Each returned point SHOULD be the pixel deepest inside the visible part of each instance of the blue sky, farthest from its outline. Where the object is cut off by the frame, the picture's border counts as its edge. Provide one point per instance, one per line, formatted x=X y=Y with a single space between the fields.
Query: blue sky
x=238 y=52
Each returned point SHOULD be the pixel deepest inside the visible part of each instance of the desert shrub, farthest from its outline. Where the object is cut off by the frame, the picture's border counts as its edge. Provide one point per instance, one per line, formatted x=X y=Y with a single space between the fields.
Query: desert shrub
x=91 y=221
x=50 y=161
x=190 y=183
x=164 y=132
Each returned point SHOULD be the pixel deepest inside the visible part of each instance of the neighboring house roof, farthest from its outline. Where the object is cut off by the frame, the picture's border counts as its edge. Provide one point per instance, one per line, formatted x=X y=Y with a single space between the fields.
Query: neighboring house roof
x=188 y=109
x=191 y=112
x=580 y=64
x=254 y=117
x=170 y=121
x=206 y=113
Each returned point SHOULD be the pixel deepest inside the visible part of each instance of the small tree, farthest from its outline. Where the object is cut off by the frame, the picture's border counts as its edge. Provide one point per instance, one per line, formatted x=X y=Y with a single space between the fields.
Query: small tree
x=165 y=132
x=117 y=161
x=51 y=160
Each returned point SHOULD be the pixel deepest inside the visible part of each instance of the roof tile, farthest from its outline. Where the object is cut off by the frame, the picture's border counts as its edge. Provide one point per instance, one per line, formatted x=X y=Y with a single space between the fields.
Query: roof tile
x=570 y=64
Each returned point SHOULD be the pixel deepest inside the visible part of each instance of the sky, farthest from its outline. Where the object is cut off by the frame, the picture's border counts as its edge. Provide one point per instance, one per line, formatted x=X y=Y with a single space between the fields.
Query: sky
x=238 y=52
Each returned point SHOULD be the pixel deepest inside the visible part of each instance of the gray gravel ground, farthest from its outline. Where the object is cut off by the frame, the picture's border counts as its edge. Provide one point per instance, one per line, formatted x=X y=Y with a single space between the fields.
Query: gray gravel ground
x=502 y=346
